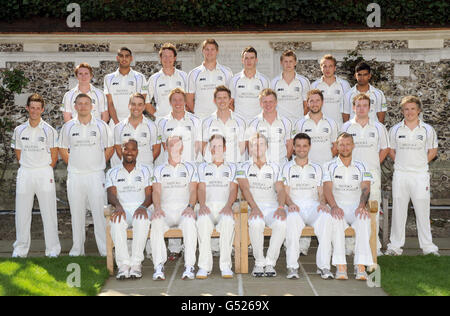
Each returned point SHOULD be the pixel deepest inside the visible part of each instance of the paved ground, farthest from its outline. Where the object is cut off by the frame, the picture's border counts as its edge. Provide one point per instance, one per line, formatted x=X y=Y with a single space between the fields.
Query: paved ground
x=309 y=284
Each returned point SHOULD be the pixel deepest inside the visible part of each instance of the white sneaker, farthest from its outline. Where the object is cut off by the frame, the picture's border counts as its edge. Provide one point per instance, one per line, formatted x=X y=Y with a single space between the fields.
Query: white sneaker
x=136 y=272
x=391 y=252
x=188 y=273
x=258 y=271
x=292 y=273
x=269 y=271
x=124 y=272
x=159 y=273
x=434 y=253
x=227 y=274
x=202 y=274
x=325 y=274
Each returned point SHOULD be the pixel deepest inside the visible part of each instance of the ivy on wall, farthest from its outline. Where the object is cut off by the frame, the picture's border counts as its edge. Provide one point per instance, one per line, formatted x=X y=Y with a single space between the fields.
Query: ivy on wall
x=235 y=13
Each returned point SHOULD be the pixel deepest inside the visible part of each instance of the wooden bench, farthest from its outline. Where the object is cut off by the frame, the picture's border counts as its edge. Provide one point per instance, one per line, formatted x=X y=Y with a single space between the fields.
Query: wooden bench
x=171 y=233
x=307 y=231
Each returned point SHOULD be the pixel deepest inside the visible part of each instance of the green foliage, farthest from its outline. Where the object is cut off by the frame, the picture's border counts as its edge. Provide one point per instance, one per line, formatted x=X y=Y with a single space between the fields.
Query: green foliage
x=235 y=13
x=353 y=58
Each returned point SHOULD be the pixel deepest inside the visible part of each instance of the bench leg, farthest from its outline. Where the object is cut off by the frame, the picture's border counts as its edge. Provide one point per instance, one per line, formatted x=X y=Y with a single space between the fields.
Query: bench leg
x=237 y=244
x=109 y=251
x=244 y=242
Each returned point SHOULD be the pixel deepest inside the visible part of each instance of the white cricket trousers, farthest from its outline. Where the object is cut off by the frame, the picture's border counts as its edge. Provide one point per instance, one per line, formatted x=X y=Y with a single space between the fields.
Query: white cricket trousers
x=205 y=226
x=322 y=224
x=256 y=231
x=39 y=182
x=88 y=187
x=141 y=227
x=160 y=226
x=416 y=187
x=363 y=253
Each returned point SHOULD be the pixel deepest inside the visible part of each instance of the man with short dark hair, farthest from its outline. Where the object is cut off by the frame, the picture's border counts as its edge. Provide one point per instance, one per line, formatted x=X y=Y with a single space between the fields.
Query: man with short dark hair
x=85 y=145
x=129 y=188
x=246 y=85
x=35 y=146
x=378 y=104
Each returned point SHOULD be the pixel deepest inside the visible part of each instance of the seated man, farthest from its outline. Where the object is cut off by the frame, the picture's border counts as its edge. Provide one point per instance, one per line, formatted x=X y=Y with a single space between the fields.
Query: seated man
x=262 y=186
x=174 y=197
x=217 y=191
x=130 y=192
x=347 y=189
x=307 y=205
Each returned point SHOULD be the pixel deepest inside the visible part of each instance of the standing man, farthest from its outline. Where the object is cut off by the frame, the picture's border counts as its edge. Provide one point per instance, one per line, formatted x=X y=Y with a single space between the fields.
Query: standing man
x=161 y=83
x=174 y=198
x=129 y=190
x=217 y=192
x=35 y=146
x=413 y=144
x=226 y=123
x=347 y=189
x=371 y=145
x=333 y=89
x=91 y=145
x=291 y=88
x=246 y=86
x=262 y=187
x=181 y=122
x=203 y=80
x=322 y=129
x=277 y=129
x=84 y=75
x=378 y=104
x=139 y=128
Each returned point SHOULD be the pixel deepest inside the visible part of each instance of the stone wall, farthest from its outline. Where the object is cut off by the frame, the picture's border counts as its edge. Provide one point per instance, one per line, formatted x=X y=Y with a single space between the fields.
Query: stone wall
x=413 y=65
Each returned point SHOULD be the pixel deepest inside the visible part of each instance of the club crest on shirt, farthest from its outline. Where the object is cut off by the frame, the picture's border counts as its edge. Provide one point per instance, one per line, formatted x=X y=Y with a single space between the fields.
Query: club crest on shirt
x=268 y=176
x=420 y=137
x=183 y=174
x=220 y=78
x=138 y=179
x=325 y=130
x=372 y=134
x=355 y=177
x=131 y=83
x=41 y=139
x=297 y=89
x=92 y=133
x=226 y=174
x=178 y=83
x=208 y=174
x=257 y=87
x=161 y=85
x=337 y=91
x=312 y=176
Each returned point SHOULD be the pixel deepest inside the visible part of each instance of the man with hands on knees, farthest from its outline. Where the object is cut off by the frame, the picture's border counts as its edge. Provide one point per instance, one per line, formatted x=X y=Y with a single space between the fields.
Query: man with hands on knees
x=262 y=186
x=217 y=191
x=130 y=192
x=174 y=197
x=347 y=190
x=307 y=205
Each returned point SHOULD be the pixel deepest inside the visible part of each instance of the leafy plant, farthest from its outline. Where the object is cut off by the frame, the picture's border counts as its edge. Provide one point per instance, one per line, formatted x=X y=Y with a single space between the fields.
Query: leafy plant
x=11 y=81
x=353 y=58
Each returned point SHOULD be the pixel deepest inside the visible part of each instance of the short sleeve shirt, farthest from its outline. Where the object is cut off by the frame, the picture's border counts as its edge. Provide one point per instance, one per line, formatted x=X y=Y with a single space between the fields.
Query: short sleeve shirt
x=122 y=87
x=346 y=180
x=369 y=140
x=217 y=180
x=291 y=96
x=245 y=92
x=159 y=86
x=86 y=144
x=333 y=97
x=130 y=185
x=323 y=135
x=277 y=134
x=377 y=102
x=175 y=183
x=189 y=127
x=303 y=181
x=146 y=134
x=203 y=82
x=262 y=182
x=411 y=146
x=99 y=104
x=233 y=131
x=34 y=144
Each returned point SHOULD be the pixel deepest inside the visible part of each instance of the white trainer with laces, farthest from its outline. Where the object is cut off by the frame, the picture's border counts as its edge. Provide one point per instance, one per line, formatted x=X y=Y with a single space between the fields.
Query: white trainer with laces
x=227 y=274
x=136 y=272
x=258 y=271
x=124 y=272
x=159 y=273
x=292 y=273
x=202 y=274
x=188 y=273
x=269 y=271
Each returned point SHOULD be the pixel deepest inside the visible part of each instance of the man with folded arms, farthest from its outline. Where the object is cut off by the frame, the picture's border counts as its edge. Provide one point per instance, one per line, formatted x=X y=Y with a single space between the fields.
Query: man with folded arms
x=130 y=192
